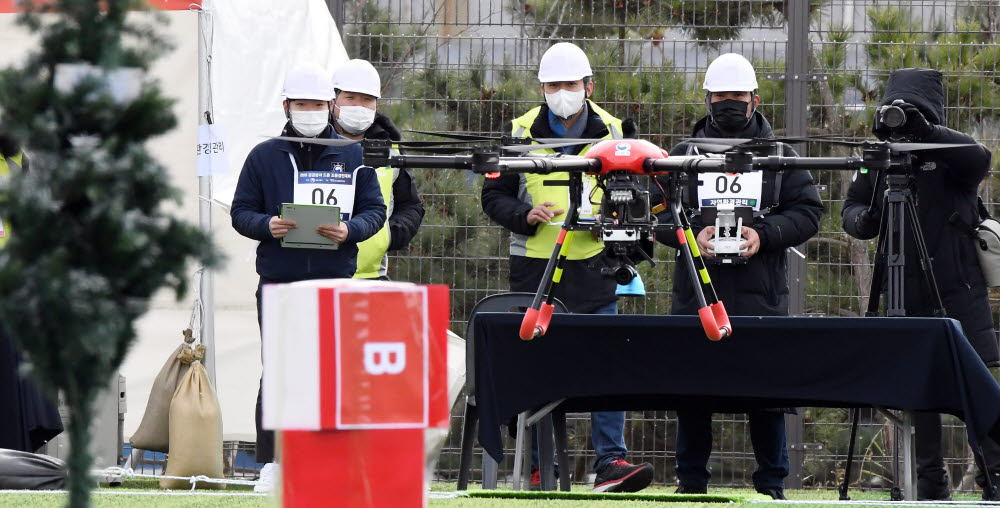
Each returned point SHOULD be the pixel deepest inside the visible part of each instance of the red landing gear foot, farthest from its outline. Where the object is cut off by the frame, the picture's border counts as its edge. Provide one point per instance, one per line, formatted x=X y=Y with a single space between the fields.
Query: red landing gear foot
x=708 y=323
x=528 y=324
x=722 y=318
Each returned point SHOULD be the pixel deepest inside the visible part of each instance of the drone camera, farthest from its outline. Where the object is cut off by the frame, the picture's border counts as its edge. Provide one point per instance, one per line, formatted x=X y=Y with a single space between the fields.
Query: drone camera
x=622 y=274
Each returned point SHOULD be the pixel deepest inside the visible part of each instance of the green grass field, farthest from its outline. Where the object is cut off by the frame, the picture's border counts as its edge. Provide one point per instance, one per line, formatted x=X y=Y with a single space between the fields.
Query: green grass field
x=140 y=493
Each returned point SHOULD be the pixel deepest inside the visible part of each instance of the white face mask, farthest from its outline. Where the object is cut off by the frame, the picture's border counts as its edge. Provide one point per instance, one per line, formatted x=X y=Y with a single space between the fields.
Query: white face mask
x=355 y=119
x=564 y=103
x=310 y=123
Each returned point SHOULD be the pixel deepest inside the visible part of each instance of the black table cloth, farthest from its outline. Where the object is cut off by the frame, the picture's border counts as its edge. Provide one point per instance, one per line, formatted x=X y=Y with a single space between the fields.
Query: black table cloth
x=632 y=362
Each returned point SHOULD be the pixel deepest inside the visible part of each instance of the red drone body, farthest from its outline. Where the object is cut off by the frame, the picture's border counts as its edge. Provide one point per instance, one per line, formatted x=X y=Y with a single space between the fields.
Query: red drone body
x=624 y=155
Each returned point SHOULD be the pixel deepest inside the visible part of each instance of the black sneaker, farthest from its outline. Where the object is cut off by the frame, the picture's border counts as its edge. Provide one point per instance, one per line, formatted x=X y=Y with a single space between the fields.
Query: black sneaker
x=620 y=476
x=995 y=494
x=686 y=488
x=933 y=489
x=774 y=492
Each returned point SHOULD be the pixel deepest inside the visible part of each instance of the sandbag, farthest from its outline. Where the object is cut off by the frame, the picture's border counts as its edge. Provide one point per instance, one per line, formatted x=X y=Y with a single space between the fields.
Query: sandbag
x=30 y=471
x=154 y=429
x=195 y=429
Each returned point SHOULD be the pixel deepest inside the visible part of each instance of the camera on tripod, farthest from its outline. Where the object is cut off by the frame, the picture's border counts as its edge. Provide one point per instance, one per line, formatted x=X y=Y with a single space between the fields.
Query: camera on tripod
x=892 y=115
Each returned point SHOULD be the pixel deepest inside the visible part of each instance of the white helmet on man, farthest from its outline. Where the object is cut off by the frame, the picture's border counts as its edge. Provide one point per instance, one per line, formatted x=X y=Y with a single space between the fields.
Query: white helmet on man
x=564 y=61
x=358 y=76
x=308 y=82
x=730 y=73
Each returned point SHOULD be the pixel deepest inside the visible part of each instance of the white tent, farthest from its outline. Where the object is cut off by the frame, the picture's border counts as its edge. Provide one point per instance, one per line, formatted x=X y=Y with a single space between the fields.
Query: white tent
x=252 y=43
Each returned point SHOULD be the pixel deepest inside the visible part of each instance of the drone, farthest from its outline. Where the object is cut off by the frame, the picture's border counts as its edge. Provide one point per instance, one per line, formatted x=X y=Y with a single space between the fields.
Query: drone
x=627 y=222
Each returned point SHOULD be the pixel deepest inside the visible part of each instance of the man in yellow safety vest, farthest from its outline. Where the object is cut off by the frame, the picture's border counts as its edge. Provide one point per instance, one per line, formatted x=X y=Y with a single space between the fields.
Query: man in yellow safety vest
x=531 y=211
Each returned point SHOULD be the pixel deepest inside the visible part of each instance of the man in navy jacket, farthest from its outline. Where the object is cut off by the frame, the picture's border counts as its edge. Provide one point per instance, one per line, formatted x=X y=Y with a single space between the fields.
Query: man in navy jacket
x=273 y=174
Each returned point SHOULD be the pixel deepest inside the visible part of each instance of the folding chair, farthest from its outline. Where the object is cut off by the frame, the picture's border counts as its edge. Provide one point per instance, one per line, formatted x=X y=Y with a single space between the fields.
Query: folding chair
x=508 y=302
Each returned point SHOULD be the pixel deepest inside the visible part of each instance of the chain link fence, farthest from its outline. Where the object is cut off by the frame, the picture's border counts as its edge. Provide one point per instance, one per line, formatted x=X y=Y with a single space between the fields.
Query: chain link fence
x=470 y=67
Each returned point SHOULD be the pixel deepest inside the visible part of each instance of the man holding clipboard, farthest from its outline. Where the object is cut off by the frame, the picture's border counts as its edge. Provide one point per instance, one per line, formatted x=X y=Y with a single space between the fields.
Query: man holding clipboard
x=309 y=205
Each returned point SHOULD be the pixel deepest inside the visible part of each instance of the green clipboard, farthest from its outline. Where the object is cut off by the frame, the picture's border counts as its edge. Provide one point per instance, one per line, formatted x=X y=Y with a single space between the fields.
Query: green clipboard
x=308 y=218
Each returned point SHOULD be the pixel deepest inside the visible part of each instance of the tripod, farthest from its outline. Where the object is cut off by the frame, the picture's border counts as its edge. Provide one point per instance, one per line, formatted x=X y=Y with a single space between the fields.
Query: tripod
x=899 y=213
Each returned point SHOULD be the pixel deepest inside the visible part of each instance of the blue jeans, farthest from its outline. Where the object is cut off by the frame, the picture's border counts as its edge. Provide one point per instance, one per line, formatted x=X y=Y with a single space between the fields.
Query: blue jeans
x=694 y=445
x=607 y=428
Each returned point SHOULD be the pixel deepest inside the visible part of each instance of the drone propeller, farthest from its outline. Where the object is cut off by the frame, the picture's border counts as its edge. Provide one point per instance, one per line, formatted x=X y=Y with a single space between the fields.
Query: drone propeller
x=415 y=145
x=317 y=141
x=723 y=144
x=554 y=143
x=459 y=137
x=573 y=141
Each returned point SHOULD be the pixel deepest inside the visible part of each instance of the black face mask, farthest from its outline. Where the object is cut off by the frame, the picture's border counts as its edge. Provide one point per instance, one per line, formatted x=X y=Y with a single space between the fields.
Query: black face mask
x=730 y=115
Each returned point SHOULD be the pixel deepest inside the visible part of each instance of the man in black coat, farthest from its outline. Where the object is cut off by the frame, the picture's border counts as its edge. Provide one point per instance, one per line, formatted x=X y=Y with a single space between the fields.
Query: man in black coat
x=787 y=214
x=944 y=185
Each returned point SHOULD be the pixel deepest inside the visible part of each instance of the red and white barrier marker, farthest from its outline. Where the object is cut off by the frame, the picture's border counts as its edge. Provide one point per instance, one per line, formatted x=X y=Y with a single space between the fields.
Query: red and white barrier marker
x=353 y=373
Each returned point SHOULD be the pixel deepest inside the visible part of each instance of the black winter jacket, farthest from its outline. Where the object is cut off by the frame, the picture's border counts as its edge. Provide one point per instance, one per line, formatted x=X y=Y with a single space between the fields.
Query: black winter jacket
x=944 y=185
x=582 y=288
x=759 y=287
x=408 y=206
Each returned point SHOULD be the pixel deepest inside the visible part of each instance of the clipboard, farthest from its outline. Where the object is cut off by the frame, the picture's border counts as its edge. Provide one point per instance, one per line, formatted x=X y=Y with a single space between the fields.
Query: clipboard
x=308 y=218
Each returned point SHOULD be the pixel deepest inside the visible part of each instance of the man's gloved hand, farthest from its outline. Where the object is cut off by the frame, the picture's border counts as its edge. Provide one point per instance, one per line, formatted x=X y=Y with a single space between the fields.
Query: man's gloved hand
x=916 y=127
x=867 y=223
x=879 y=129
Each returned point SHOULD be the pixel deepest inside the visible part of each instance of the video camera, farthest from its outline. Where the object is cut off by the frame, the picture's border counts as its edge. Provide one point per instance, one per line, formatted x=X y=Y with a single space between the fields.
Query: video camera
x=891 y=115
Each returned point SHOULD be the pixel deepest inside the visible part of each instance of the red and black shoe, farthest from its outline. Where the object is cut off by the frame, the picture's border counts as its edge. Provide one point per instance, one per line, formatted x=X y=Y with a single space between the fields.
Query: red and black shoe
x=620 y=476
x=536 y=479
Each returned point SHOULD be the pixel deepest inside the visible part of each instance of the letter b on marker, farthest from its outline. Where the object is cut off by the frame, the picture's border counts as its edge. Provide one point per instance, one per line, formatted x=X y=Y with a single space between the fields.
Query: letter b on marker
x=385 y=358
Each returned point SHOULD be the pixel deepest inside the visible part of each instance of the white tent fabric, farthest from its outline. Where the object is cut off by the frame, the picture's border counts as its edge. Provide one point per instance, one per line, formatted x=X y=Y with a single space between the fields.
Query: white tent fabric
x=255 y=42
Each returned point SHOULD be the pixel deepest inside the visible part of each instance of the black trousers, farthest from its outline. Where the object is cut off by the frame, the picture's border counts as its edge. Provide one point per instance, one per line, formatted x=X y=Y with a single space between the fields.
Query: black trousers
x=930 y=459
x=265 y=438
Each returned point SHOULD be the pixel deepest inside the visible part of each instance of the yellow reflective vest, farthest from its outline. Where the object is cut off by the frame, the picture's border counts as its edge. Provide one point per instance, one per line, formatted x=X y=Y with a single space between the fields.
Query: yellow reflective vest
x=8 y=166
x=373 y=261
x=532 y=190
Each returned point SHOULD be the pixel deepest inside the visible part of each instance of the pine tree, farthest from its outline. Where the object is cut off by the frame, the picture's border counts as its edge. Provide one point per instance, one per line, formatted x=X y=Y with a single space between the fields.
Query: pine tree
x=90 y=243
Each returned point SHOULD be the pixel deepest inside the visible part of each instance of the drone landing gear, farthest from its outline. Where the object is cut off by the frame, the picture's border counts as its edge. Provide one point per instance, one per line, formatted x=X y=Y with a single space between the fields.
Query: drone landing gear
x=714 y=318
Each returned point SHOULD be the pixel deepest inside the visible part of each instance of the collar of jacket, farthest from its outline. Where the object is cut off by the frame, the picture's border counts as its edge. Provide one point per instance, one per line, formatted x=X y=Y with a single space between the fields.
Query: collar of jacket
x=757 y=128
x=596 y=127
x=329 y=133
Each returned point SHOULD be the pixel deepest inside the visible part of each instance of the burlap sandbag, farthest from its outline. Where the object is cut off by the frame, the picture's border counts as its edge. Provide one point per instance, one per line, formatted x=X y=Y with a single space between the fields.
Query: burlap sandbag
x=195 y=430
x=154 y=429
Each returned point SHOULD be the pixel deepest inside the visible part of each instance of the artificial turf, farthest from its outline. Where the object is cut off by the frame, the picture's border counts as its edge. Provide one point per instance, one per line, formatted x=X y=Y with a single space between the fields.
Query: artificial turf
x=137 y=493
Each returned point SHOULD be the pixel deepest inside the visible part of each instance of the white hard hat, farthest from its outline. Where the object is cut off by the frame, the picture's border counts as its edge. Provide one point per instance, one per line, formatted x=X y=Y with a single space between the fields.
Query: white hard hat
x=358 y=76
x=564 y=61
x=730 y=73
x=308 y=82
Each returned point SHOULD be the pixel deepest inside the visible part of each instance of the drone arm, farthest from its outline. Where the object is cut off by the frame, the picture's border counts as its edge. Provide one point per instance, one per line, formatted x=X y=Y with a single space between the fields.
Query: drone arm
x=691 y=164
x=431 y=161
x=546 y=165
x=778 y=163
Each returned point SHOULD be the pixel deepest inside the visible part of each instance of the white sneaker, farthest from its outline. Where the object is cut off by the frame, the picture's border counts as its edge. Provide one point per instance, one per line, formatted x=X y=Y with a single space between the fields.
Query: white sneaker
x=270 y=475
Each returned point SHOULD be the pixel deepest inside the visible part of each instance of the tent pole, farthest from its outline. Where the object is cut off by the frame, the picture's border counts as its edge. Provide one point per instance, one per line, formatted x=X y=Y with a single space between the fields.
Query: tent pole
x=207 y=287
